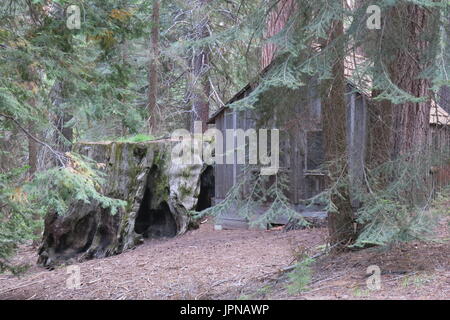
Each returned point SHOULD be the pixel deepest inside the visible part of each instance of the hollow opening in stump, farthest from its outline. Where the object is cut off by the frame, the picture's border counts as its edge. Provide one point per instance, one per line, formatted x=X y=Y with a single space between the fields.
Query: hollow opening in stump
x=156 y=223
x=76 y=240
x=206 y=189
x=154 y=220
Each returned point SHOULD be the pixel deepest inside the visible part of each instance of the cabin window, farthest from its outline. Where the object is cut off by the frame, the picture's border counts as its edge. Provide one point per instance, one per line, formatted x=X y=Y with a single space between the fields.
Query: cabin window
x=314 y=150
x=314 y=159
x=315 y=106
x=285 y=150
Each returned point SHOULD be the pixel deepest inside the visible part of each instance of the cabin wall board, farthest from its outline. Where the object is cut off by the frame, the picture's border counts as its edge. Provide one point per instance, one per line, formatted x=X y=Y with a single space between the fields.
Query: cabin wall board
x=440 y=142
x=356 y=142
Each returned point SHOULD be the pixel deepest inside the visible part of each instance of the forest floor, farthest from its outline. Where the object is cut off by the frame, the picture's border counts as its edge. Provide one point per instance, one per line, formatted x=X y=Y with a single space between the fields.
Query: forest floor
x=242 y=264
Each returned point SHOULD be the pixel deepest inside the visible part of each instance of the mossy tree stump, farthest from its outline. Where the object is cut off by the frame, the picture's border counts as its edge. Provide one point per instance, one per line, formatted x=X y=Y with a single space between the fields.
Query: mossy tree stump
x=158 y=193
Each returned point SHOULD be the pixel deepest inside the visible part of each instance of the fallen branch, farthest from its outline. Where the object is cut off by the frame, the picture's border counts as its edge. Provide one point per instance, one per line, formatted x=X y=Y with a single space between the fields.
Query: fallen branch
x=21 y=286
x=316 y=282
x=317 y=255
x=221 y=281
x=94 y=281
x=58 y=155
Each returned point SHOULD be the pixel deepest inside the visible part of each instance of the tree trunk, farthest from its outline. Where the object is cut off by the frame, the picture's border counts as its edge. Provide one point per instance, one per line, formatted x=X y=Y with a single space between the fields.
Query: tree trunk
x=444 y=93
x=64 y=136
x=32 y=145
x=200 y=103
x=153 y=71
x=200 y=98
x=410 y=121
x=340 y=223
x=276 y=21
x=32 y=150
x=402 y=130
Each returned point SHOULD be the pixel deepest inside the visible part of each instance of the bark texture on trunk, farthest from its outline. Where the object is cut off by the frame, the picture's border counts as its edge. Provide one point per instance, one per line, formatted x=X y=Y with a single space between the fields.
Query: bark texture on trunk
x=200 y=100
x=32 y=150
x=341 y=223
x=404 y=129
x=276 y=21
x=64 y=136
x=153 y=70
x=407 y=32
x=202 y=87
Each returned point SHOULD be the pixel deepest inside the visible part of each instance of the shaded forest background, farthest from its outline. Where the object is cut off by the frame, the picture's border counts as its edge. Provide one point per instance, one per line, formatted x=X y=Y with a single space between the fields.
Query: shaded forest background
x=137 y=70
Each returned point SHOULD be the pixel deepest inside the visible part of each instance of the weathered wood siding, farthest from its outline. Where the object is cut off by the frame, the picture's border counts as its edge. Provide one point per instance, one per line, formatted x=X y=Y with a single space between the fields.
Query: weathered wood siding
x=357 y=117
x=440 y=148
x=301 y=146
x=302 y=149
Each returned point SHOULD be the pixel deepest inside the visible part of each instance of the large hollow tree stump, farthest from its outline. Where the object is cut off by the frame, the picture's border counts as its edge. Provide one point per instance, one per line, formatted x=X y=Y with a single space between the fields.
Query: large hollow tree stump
x=158 y=193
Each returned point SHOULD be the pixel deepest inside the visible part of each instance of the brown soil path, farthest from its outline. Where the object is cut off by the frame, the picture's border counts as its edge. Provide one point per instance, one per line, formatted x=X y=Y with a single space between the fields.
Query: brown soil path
x=201 y=264
x=241 y=264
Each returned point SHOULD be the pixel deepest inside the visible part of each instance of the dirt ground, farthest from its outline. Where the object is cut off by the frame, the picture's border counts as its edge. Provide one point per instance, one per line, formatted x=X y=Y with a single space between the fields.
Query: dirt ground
x=241 y=264
x=413 y=271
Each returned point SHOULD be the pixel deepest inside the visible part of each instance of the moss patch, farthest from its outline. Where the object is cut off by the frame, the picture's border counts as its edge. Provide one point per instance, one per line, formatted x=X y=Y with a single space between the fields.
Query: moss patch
x=136 y=138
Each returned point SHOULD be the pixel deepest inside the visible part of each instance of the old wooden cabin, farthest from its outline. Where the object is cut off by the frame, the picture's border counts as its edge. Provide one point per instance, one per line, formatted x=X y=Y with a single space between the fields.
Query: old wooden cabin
x=298 y=115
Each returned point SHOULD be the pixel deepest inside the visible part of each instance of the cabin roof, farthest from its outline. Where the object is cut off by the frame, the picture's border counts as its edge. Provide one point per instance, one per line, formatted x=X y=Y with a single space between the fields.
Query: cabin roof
x=438 y=116
x=252 y=85
x=241 y=94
